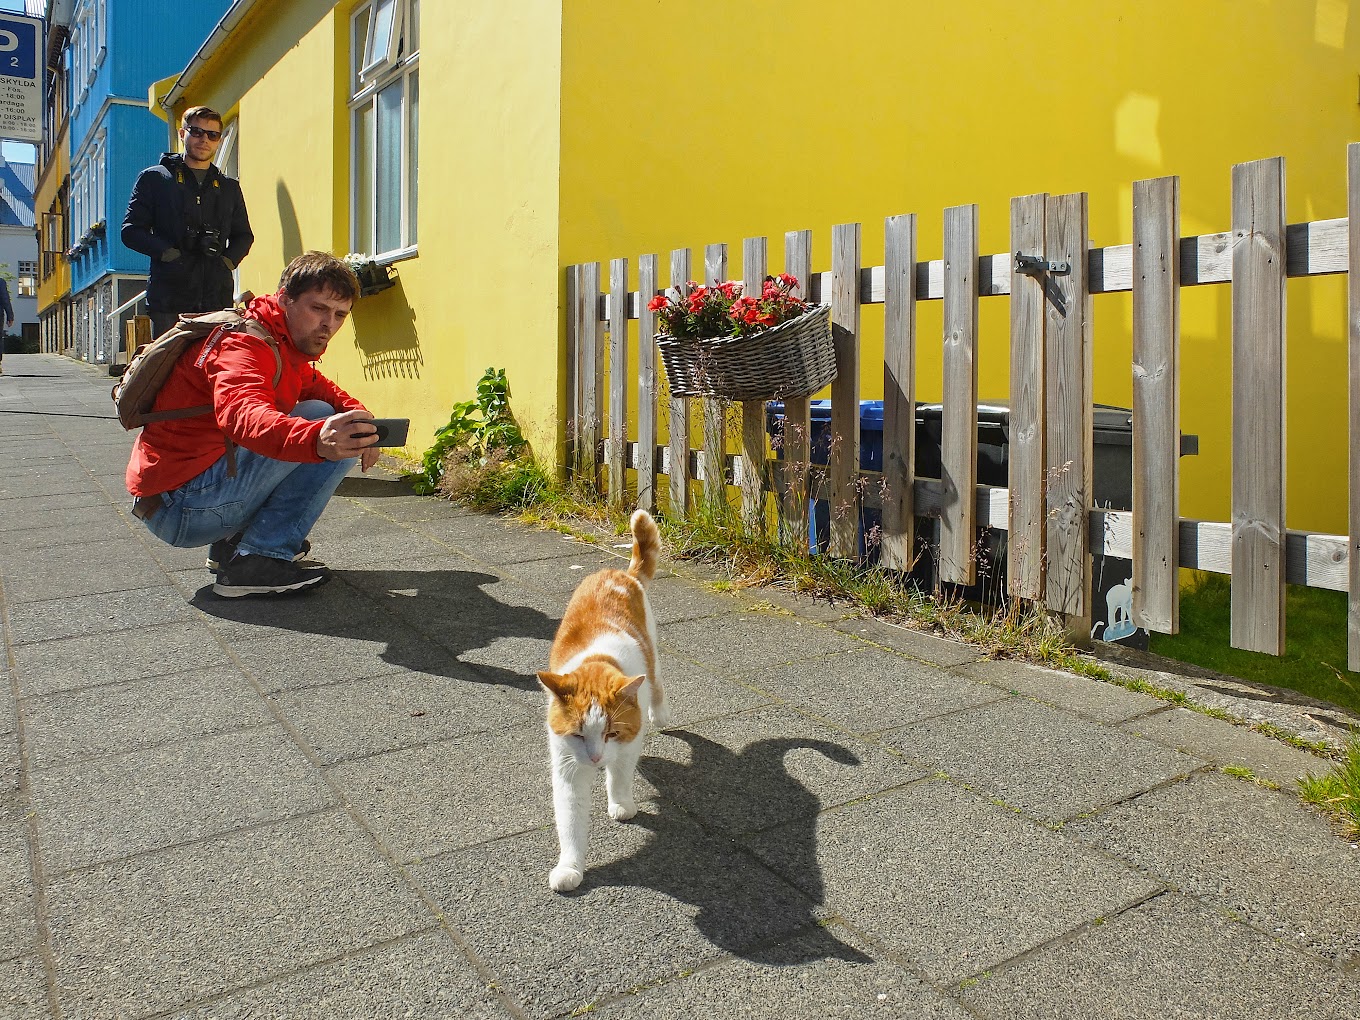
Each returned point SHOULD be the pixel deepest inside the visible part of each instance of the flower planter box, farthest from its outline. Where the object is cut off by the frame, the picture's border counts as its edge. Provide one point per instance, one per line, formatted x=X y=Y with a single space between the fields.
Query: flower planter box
x=373 y=279
x=794 y=359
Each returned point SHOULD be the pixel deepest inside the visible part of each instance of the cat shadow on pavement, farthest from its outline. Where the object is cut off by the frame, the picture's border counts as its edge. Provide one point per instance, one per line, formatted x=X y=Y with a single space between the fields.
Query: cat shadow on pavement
x=428 y=621
x=690 y=855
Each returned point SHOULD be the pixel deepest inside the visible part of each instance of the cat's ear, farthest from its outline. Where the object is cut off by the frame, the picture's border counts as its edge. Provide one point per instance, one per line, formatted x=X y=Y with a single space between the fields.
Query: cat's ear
x=554 y=683
x=628 y=686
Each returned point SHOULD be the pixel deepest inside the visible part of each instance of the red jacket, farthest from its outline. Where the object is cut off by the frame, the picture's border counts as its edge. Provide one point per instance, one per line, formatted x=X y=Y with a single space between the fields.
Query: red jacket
x=236 y=375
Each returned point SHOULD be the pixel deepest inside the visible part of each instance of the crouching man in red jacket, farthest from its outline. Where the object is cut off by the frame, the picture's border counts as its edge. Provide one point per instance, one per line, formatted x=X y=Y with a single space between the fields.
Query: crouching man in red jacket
x=289 y=433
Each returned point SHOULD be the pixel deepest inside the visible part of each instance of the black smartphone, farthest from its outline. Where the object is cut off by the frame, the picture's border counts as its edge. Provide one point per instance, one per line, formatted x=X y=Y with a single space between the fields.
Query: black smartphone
x=391 y=431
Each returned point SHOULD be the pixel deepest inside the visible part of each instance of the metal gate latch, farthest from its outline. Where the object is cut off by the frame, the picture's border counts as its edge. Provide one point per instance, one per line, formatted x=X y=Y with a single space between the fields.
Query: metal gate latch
x=1033 y=265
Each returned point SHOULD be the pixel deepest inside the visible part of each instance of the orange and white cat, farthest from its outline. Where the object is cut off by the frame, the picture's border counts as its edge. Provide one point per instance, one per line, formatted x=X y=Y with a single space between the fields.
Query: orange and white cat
x=602 y=683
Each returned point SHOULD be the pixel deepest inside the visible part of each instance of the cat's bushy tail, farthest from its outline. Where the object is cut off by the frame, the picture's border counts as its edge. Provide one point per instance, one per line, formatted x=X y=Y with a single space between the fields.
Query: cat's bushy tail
x=646 y=546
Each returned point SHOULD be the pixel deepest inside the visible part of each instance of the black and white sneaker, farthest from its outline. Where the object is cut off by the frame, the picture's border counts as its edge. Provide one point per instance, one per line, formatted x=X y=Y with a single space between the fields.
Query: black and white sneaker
x=264 y=575
x=224 y=549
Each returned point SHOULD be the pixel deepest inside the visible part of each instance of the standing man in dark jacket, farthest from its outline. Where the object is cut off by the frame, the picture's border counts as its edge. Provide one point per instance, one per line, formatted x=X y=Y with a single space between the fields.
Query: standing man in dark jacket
x=6 y=319
x=191 y=219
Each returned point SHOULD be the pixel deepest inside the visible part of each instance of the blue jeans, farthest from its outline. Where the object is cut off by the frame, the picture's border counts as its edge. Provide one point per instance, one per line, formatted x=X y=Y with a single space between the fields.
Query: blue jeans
x=273 y=503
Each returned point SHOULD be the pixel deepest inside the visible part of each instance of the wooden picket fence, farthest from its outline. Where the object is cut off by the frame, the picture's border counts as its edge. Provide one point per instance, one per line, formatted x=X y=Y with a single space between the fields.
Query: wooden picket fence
x=1051 y=275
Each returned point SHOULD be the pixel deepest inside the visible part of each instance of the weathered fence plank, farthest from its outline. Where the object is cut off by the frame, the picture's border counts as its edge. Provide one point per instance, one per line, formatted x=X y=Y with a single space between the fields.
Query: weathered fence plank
x=1156 y=403
x=958 y=437
x=615 y=453
x=1068 y=389
x=1258 y=378
x=678 y=433
x=898 y=549
x=591 y=372
x=715 y=409
x=647 y=386
x=754 y=256
x=795 y=436
x=1025 y=547
x=572 y=411
x=844 y=458
x=1353 y=362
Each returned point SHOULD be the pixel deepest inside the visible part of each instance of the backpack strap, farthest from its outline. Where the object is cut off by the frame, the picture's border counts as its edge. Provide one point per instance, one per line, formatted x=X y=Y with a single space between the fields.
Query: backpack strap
x=249 y=326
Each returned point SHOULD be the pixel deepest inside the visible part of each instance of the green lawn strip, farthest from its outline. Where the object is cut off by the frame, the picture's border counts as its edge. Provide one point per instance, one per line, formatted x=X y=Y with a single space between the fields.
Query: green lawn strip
x=1314 y=662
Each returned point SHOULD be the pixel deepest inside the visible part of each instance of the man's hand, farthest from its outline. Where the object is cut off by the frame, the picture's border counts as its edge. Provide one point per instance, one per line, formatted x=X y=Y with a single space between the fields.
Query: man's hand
x=336 y=440
x=170 y=254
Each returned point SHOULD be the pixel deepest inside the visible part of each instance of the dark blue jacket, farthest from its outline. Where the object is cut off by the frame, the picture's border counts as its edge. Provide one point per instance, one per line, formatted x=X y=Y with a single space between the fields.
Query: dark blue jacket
x=166 y=204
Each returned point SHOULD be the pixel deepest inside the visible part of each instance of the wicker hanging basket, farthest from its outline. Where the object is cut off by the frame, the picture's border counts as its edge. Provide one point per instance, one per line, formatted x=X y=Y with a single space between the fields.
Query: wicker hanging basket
x=794 y=359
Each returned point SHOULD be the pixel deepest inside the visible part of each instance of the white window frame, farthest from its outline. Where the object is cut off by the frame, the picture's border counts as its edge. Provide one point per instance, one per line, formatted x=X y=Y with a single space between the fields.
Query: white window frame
x=373 y=73
x=88 y=44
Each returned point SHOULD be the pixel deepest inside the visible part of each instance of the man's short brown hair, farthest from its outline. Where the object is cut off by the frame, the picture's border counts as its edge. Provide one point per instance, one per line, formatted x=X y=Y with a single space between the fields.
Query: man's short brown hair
x=319 y=270
x=200 y=113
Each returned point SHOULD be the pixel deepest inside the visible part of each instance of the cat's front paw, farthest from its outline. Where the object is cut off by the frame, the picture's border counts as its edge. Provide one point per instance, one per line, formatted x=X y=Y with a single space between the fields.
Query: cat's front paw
x=661 y=716
x=622 y=812
x=564 y=878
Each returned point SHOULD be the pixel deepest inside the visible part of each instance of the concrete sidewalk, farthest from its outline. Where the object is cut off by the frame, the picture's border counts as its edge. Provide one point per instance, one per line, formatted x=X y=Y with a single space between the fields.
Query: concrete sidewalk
x=337 y=805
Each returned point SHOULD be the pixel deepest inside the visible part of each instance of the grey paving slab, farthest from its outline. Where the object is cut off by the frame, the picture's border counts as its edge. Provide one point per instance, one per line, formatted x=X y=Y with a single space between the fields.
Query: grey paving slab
x=659 y=898
x=751 y=640
x=490 y=542
x=514 y=661
x=24 y=507
x=450 y=597
x=18 y=904
x=97 y=614
x=332 y=634
x=96 y=722
x=792 y=983
x=159 y=931
x=32 y=544
x=1259 y=853
x=927 y=647
x=9 y=715
x=1094 y=699
x=383 y=543
x=1171 y=956
x=23 y=989
x=119 y=564
x=54 y=483
x=79 y=522
x=9 y=766
x=679 y=598
x=170 y=794
x=883 y=689
x=46 y=667
x=748 y=772
x=695 y=693
x=429 y=800
x=1046 y=762
x=561 y=575
x=419 y=976
x=948 y=882
x=357 y=718
x=1225 y=744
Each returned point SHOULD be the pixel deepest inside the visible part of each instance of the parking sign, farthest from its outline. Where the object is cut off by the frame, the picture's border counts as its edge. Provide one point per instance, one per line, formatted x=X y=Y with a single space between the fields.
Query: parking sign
x=20 y=84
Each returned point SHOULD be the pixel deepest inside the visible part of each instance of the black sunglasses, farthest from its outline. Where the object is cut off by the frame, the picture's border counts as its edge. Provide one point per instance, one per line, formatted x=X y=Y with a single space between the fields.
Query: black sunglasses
x=199 y=132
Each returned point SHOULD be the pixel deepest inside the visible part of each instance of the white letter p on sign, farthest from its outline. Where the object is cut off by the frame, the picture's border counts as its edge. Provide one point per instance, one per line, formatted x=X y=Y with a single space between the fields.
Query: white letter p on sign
x=8 y=41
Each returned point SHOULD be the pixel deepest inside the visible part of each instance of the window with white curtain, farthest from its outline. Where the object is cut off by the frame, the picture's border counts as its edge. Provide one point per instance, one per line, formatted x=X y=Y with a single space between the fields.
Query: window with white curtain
x=384 y=126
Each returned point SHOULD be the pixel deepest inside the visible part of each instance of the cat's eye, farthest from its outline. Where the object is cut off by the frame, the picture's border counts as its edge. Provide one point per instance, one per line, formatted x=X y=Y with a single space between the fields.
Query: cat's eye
x=611 y=735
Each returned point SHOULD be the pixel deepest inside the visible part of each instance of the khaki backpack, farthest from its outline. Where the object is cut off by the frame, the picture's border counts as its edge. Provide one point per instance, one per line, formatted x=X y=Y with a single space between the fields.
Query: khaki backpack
x=134 y=394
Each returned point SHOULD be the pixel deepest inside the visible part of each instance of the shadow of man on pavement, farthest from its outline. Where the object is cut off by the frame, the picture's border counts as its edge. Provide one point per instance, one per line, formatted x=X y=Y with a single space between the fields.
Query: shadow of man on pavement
x=742 y=908
x=435 y=621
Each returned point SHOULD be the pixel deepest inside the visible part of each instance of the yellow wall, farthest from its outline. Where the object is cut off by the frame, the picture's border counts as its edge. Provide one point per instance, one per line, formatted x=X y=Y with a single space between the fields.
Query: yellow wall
x=483 y=289
x=700 y=121
x=54 y=172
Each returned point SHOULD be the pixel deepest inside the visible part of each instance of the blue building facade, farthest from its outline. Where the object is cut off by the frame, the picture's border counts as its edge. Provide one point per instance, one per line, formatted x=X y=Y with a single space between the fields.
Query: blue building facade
x=115 y=51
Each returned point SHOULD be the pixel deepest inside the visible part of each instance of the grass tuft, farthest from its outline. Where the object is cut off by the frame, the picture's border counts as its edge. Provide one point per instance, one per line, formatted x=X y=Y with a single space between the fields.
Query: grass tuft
x=1337 y=791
